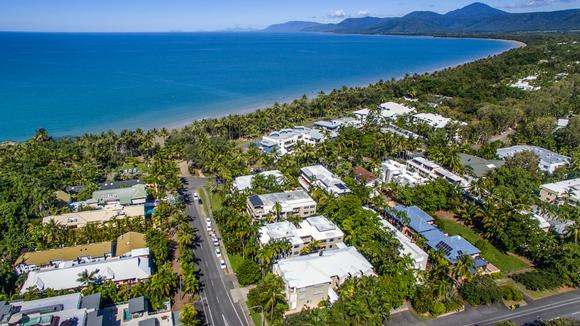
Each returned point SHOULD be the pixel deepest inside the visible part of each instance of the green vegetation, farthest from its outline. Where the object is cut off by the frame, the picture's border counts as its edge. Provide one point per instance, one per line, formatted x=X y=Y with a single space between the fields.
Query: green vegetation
x=481 y=290
x=539 y=280
x=511 y=293
x=269 y=294
x=505 y=262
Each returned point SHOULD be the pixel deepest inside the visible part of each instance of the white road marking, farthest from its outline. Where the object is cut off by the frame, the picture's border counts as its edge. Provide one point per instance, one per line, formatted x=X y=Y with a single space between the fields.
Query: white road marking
x=209 y=308
x=532 y=311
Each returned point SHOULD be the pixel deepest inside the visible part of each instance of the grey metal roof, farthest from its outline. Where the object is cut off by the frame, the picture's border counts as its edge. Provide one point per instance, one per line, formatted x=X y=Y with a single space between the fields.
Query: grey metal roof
x=92 y=301
x=119 y=184
x=148 y=322
x=543 y=154
x=137 y=305
x=93 y=319
x=480 y=166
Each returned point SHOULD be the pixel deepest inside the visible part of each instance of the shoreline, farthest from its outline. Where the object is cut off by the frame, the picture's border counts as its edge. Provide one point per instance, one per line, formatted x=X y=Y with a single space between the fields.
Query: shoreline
x=243 y=106
x=248 y=109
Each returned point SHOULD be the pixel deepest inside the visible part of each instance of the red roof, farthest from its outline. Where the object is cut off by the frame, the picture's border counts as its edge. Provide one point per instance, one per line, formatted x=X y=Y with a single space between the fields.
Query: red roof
x=361 y=173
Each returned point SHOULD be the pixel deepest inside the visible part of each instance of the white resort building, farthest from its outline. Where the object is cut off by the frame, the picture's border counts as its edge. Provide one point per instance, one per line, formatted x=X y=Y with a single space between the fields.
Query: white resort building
x=317 y=228
x=314 y=278
x=433 y=120
x=283 y=141
x=393 y=171
x=296 y=202
x=559 y=192
x=319 y=176
x=549 y=161
x=430 y=169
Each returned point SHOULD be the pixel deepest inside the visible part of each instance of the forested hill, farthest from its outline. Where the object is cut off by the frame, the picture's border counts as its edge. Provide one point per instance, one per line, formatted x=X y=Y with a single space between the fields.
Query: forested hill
x=474 y=18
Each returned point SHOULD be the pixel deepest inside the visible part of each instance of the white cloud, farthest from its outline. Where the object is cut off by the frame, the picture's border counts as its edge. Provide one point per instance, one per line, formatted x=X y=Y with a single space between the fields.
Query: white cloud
x=535 y=3
x=337 y=14
x=363 y=13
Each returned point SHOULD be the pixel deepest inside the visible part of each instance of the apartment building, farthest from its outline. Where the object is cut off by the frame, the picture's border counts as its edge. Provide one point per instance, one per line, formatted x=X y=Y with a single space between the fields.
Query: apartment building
x=314 y=278
x=316 y=229
x=296 y=202
x=284 y=141
x=321 y=177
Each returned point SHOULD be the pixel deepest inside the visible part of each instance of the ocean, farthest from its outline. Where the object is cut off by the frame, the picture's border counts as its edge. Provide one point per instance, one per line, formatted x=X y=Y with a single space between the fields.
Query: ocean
x=72 y=84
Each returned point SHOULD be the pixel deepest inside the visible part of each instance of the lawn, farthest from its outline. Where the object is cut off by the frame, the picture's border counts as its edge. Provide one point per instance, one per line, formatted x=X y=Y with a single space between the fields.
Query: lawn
x=505 y=262
x=235 y=260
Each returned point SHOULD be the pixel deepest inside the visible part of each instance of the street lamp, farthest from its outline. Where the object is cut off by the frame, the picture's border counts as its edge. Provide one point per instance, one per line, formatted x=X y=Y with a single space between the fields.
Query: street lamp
x=261 y=313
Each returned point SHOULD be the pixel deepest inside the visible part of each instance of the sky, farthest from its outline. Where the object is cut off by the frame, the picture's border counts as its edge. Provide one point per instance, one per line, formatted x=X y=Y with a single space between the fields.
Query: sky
x=209 y=15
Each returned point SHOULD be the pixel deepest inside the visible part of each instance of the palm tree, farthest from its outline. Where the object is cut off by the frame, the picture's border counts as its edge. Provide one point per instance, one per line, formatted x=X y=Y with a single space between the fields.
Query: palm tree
x=462 y=270
x=86 y=278
x=277 y=210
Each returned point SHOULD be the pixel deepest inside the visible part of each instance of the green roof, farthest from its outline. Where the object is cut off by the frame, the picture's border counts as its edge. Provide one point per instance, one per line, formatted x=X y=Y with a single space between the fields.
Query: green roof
x=125 y=196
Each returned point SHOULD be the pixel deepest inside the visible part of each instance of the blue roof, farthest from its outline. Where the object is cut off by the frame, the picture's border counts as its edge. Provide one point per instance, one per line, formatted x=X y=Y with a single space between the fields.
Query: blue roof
x=418 y=219
x=434 y=236
x=480 y=262
x=454 y=247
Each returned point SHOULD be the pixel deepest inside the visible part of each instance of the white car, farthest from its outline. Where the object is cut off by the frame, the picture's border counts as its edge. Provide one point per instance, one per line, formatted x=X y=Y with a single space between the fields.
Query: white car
x=209 y=228
x=207 y=220
x=222 y=264
x=196 y=197
x=218 y=252
x=216 y=242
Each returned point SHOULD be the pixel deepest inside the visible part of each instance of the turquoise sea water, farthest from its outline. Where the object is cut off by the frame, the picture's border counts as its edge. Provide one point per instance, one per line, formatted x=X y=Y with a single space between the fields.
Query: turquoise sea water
x=76 y=83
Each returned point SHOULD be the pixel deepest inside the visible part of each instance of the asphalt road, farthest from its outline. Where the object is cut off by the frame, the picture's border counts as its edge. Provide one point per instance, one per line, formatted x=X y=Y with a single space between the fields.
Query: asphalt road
x=563 y=305
x=217 y=305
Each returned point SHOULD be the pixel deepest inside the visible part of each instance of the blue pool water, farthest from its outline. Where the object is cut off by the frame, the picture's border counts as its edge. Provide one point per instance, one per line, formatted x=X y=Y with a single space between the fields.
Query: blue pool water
x=76 y=83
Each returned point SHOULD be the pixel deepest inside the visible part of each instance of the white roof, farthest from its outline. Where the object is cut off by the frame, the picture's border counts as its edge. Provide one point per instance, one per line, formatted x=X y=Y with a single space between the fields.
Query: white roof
x=66 y=278
x=245 y=182
x=317 y=227
x=362 y=112
x=562 y=186
x=418 y=255
x=433 y=120
x=546 y=156
x=394 y=110
x=319 y=268
x=325 y=179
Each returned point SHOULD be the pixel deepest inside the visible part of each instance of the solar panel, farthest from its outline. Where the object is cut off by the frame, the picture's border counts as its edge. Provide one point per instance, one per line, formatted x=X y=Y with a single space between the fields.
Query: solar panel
x=444 y=247
x=340 y=186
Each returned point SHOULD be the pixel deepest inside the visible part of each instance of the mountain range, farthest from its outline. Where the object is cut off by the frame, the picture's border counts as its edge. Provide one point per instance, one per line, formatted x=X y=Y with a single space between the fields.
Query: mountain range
x=474 y=18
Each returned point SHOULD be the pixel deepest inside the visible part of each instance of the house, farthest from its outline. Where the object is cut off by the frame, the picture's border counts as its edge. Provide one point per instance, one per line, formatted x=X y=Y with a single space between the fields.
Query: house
x=370 y=180
x=127 y=269
x=559 y=192
x=433 y=120
x=479 y=166
x=114 y=197
x=409 y=248
x=245 y=182
x=430 y=169
x=524 y=83
x=318 y=228
x=415 y=221
x=69 y=309
x=137 y=312
x=549 y=161
x=319 y=176
x=296 y=202
x=395 y=172
x=314 y=278
x=392 y=110
x=125 y=245
x=283 y=141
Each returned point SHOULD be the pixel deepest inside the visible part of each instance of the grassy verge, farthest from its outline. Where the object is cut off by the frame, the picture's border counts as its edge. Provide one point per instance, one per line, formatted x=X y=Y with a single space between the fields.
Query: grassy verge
x=505 y=262
x=534 y=295
x=256 y=318
x=235 y=260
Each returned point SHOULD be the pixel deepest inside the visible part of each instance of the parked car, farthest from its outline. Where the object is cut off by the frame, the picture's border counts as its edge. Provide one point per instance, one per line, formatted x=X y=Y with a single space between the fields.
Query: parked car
x=222 y=264
x=216 y=242
x=207 y=220
x=218 y=252
x=209 y=228
x=196 y=197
